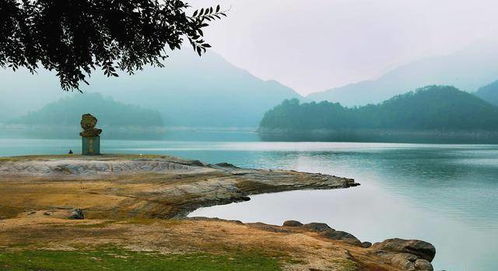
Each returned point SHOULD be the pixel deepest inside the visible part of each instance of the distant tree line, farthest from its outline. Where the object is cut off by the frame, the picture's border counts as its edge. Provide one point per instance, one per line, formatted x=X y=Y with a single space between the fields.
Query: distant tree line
x=443 y=108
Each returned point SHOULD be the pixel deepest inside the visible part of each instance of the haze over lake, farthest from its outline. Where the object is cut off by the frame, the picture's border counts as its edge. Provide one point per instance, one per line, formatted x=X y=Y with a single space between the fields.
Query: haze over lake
x=445 y=194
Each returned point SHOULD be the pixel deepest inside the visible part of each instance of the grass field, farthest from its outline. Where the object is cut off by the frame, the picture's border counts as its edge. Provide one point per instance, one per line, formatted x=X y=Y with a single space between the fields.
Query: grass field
x=119 y=259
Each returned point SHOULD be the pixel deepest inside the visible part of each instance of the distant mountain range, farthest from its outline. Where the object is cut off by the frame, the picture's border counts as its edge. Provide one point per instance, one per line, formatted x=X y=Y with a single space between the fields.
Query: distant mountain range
x=210 y=92
x=190 y=91
x=434 y=112
x=467 y=70
x=489 y=93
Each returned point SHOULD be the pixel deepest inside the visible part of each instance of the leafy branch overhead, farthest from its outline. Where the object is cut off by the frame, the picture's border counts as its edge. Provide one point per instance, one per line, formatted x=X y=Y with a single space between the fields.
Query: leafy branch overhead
x=73 y=37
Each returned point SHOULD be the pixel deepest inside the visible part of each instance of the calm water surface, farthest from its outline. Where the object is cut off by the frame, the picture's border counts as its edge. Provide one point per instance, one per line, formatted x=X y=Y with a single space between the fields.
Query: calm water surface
x=445 y=194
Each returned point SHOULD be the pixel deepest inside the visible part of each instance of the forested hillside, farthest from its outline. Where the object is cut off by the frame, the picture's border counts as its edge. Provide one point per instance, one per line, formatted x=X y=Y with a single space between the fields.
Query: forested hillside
x=432 y=108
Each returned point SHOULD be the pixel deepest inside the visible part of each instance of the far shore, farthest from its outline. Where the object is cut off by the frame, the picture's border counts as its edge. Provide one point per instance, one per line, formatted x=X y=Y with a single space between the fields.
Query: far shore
x=381 y=135
x=12 y=130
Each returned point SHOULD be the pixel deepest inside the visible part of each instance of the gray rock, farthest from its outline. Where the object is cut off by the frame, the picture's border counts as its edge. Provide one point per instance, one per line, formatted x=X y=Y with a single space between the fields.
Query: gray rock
x=366 y=244
x=77 y=214
x=292 y=223
x=196 y=163
x=419 y=248
x=404 y=261
x=266 y=227
x=410 y=262
x=318 y=227
x=342 y=236
x=423 y=265
x=228 y=165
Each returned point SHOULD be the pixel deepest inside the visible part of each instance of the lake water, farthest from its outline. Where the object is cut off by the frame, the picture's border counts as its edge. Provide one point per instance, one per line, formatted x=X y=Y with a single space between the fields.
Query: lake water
x=444 y=194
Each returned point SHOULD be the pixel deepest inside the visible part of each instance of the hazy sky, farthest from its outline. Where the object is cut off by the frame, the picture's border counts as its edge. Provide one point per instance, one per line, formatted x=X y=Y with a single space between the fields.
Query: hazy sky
x=313 y=45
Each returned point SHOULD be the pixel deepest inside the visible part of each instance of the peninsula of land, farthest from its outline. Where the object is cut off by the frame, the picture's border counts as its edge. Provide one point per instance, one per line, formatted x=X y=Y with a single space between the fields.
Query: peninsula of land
x=114 y=211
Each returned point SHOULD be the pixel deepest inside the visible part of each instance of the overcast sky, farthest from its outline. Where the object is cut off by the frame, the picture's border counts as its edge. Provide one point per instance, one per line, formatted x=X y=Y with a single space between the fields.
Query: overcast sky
x=313 y=45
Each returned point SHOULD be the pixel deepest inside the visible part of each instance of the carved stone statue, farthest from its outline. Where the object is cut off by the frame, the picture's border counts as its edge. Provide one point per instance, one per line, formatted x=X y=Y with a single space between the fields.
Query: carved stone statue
x=90 y=135
x=88 y=123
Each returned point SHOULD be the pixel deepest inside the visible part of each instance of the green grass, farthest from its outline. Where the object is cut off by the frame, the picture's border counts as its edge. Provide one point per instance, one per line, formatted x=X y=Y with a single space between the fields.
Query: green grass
x=346 y=265
x=119 y=259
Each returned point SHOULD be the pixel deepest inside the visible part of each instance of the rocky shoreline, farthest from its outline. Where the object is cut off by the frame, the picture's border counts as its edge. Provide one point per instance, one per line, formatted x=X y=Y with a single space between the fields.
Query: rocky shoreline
x=404 y=254
x=62 y=189
x=154 y=186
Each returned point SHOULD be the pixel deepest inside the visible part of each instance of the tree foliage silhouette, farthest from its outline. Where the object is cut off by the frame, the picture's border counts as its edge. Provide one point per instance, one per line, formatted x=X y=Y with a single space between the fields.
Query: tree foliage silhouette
x=74 y=37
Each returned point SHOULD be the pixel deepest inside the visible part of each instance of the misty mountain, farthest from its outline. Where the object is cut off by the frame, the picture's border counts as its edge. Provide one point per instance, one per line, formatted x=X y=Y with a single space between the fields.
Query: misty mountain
x=467 y=69
x=489 y=93
x=22 y=92
x=189 y=91
x=438 y=109
x=201 y=92
x=61 y=119
x=67 y=112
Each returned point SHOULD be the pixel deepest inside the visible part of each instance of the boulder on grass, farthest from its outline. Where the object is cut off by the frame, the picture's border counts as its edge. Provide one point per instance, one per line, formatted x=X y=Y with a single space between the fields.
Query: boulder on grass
x=422 y=249
x=77 y=214
x=366 y=244
x=318 y=227
x=342 y=236
x=292 y=223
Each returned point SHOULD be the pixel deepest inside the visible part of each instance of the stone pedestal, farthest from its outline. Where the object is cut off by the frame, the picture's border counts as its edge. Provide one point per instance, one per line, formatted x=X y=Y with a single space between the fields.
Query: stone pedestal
x=91 y=145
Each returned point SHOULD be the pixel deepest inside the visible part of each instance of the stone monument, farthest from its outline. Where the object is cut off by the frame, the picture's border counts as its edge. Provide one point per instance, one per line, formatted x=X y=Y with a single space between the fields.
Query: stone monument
x=90 y=135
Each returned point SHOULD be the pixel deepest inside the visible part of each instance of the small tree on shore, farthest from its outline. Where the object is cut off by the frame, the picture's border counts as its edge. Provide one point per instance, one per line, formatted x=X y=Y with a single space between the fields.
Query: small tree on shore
x=74 y=37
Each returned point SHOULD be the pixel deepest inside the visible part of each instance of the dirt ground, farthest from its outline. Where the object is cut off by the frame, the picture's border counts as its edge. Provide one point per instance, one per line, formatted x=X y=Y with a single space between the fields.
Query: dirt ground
x=296 y=249
x=139 y=203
